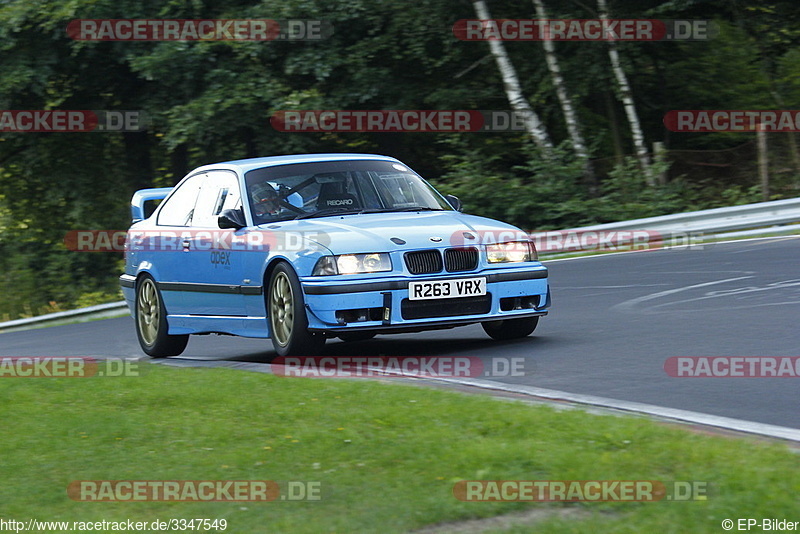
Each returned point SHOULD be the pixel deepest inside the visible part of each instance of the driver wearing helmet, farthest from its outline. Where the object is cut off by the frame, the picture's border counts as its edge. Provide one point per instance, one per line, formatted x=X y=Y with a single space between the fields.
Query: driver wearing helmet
x=267 y=200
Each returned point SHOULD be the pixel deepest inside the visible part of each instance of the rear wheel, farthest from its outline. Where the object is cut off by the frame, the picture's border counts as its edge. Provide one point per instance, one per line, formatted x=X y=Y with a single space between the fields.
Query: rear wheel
x=510 y=328
x=287 y=316
x=151 y=322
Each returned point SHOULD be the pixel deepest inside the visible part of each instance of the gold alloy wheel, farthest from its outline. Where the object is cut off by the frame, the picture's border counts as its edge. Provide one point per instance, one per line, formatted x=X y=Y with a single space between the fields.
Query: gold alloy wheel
x=281 y=309
x=148 y=311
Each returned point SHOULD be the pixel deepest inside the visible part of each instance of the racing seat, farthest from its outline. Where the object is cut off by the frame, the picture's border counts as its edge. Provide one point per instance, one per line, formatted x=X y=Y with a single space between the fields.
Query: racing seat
x=332 y=195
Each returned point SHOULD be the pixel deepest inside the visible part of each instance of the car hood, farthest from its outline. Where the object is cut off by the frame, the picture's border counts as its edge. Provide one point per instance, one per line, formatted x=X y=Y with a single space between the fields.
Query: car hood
x=373 y=232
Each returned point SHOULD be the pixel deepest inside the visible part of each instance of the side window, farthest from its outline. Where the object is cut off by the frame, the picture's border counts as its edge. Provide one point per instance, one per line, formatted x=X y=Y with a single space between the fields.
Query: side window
x=179 y=208
x=219 y=192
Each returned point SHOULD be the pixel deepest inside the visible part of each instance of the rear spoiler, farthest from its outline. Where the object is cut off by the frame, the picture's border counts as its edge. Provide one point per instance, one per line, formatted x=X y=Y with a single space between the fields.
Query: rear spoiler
x=145 y=195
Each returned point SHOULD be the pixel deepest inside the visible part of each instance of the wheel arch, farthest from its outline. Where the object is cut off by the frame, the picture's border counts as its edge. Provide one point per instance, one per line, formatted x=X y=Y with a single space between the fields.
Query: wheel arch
x=141 y=275
x=143 y=271
x=274 y=262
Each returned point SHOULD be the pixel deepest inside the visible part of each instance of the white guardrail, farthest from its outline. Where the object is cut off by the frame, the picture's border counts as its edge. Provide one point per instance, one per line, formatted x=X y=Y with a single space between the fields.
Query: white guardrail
x=112 y=309
x=759 y=218
x=713 y=221
x=681 y=229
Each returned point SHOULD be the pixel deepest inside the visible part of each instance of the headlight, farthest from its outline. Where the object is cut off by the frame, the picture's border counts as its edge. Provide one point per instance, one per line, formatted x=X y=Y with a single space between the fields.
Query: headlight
x=512 y=251
x=353 y=264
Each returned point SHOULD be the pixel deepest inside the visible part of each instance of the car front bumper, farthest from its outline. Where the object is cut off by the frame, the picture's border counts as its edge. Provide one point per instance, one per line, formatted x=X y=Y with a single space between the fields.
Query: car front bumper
x=382 y=304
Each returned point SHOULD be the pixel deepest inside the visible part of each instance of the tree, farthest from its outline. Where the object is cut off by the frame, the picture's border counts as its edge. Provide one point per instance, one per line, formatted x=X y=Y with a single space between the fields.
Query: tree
x=516 y=99
x=570 y=117
x=627 y=99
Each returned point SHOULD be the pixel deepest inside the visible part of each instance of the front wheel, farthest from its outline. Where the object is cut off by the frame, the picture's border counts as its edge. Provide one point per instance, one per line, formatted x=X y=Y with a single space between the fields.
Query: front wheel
x=287 y=316
x=151 y=322
x=510 y=328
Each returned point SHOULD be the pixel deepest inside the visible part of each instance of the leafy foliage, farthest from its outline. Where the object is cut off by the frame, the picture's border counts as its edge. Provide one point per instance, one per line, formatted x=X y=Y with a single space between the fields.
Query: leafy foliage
x=211 y=101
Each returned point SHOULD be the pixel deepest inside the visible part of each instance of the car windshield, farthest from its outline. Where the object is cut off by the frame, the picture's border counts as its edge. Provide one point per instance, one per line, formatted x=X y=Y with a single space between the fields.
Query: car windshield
x=307 y=190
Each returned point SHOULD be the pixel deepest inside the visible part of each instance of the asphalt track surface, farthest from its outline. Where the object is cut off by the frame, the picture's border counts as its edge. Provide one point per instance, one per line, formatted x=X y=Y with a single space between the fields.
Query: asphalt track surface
x=614 y=322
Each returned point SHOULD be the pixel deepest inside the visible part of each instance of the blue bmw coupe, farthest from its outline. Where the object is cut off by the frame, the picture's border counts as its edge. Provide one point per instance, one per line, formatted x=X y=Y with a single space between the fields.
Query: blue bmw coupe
x=307 y=247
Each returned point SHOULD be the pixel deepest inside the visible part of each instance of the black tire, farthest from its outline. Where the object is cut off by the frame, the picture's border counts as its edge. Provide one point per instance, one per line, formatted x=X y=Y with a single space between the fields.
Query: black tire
x=151 y=322
x=286 y=312
x=510 y=328
x=355 y=336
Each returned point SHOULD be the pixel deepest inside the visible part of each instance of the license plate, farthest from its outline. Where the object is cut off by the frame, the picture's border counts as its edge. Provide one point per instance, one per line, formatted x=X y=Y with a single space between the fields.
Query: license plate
x=447 y=289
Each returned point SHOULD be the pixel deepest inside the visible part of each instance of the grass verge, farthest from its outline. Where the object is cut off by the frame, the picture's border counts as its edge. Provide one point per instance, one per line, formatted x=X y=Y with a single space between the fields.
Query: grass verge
x=386 y=456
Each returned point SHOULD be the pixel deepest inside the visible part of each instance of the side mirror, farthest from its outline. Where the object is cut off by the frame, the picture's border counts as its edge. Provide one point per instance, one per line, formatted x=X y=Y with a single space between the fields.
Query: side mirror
x=453 y=200
x=231 y=219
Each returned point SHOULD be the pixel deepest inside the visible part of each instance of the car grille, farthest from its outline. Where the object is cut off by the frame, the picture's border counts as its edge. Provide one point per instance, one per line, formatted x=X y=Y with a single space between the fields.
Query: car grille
x=424 y=262
x=456 y=260
x=460 y=259
x=425 y=309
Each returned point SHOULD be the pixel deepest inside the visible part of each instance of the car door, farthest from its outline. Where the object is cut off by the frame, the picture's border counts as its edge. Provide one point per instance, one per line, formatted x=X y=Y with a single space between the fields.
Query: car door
x=161 y=251
x=213 y=262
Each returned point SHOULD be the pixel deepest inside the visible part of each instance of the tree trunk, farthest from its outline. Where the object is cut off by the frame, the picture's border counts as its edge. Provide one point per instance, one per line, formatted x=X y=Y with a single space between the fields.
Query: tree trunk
x=137 y=159
x=616 y=136
x=790 y=137
x=570 y=117
x=627 y=101
x=179 y=162
x=659 y=155
x=518 y=103
x=763 y=163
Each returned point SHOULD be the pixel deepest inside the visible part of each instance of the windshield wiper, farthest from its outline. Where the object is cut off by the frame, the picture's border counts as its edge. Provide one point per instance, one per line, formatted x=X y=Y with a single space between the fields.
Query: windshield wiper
x=325 y=212
x=337 y=211
x=390 y=210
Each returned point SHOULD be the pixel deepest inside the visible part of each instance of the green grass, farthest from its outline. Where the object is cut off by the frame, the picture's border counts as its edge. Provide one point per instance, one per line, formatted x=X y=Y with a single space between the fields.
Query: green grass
x=386 y=455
